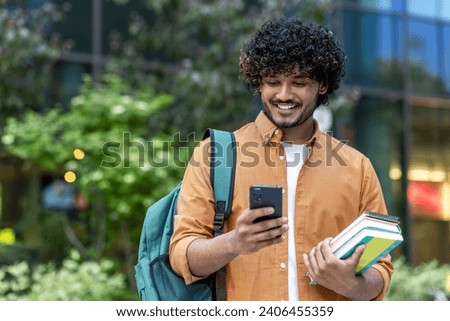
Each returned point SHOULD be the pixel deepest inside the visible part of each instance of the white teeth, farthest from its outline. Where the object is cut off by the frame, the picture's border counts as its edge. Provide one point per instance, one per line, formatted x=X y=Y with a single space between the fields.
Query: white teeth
x=285 y=107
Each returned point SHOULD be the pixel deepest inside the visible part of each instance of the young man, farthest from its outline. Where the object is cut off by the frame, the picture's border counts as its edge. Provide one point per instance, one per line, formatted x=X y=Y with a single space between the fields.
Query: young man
x=326 y=184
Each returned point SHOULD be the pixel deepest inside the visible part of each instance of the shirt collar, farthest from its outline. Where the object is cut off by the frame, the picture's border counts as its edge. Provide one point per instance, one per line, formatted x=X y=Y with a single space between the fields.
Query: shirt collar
x=271 y=133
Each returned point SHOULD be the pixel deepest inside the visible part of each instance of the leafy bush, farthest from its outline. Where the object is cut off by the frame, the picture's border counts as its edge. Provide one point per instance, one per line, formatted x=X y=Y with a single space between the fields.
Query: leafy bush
x=125 y=165
x=72 y=281
x=425 y=282
x=13 y=253
x=29 y=48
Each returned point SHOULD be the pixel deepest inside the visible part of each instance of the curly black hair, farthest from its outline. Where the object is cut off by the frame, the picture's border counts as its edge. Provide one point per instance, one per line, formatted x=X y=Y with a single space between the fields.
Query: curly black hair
x=282 y=45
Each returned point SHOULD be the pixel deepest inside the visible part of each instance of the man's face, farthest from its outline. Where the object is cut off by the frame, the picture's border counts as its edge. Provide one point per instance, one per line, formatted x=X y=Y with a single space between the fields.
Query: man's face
x=289 y=100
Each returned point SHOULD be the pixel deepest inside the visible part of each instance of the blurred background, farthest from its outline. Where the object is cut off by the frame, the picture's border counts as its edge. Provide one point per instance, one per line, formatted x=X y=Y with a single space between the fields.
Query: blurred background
x=101 y=102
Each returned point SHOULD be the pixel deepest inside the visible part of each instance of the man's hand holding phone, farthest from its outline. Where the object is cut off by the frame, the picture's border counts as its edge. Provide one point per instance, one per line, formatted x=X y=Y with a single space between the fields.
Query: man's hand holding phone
x=250 y=237
x=263 y=225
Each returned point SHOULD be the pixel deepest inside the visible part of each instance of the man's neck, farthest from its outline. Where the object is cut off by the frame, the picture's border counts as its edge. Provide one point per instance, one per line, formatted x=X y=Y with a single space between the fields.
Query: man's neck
x=299 y=134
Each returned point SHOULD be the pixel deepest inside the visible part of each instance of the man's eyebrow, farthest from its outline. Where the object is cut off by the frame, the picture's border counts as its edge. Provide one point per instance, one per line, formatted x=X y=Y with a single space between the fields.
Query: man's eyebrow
x=302 y=77
x=296 y=77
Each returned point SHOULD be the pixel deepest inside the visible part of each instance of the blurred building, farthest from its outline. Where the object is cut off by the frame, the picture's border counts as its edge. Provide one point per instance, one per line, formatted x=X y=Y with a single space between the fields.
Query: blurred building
x=398 y=82
x=398 y=68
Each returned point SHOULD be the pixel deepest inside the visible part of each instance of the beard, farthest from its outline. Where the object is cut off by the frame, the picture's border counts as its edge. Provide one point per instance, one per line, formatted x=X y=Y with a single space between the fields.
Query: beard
x=292 y=121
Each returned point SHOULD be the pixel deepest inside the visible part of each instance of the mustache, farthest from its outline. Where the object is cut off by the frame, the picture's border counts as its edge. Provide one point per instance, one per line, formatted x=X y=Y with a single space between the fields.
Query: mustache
x=291 y=101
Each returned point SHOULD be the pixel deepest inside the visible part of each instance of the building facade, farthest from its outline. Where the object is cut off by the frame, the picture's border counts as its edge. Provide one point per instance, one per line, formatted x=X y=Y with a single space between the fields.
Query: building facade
x=398 y=64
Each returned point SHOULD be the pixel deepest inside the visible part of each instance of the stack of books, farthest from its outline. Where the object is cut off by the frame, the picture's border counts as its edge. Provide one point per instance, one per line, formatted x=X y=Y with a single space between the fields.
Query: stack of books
x=379 y=232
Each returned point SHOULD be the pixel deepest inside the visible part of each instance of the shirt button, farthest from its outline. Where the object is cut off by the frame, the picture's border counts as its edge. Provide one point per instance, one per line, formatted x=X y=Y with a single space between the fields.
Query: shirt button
x=283 y=265
x=281 y=157
x=283 y=191
x=276 y=132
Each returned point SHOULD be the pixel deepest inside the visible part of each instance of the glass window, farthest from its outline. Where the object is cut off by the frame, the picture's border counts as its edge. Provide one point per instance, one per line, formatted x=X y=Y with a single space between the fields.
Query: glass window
x=377 y=126
x=116 y=18
x=378 y=4
x=423 y=55
x=445 y=10
x=446 y=55
x=424 y=8
x=428 y=191
x=396 y=5
x=430 y=9
x=428 y=175
x=67 y=82
x=374 y=47
x=77 y=25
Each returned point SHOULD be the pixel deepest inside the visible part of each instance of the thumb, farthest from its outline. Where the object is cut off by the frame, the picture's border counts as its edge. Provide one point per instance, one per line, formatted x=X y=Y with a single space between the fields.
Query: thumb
x=356 y=256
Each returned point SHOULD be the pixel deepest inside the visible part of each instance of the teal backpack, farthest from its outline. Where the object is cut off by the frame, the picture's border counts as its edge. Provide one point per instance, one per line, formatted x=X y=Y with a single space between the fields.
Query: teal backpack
x=155 y=279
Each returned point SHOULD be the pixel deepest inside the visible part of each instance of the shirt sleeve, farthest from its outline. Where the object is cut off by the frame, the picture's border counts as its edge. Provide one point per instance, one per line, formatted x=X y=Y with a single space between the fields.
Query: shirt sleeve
x=195 y=211
x=372 y=200
x=385 y=268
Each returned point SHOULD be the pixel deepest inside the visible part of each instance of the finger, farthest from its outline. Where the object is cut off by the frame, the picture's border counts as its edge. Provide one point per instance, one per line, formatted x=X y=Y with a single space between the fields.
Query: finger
x=326 y=249
x=271 y=224
x=353 y=260
x=306 y=262
x=327 y=243
x=313 y=269
x=246 y=217
x=309 y=274
x=356 y=256
x=260 y=212
x=266 y=243
x=319 y=253
x=271 y=232
x=274 y=240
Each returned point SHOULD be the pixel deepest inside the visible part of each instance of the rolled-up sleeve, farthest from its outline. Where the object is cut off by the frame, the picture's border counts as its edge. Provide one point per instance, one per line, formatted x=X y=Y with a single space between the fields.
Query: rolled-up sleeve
x=195 y=211
x=385 y=268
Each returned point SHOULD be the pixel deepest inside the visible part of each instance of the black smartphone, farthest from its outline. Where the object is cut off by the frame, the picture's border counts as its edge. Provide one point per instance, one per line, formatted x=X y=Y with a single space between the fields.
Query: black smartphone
x=267 y=196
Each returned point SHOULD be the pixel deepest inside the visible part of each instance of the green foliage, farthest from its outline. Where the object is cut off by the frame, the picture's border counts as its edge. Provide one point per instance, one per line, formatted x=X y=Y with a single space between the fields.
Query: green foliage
x=13 y=253
x=35 y=137
x=74 y=280
x=27 y=52
x=193 y=52
x=53 y=241
x=125 y=169
x=421 y=283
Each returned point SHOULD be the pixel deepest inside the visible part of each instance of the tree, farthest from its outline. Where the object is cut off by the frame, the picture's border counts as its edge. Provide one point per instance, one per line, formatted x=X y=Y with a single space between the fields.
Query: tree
x=102 y=142
x=191 y=49
x=27 y=52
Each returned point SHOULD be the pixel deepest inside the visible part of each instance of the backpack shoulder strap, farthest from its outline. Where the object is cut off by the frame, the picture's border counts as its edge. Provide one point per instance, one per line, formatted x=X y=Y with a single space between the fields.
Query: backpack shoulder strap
x=223 y=166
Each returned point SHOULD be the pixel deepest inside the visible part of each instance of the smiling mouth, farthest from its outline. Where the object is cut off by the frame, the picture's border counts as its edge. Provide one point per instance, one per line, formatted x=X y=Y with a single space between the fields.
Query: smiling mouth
x=286 y=106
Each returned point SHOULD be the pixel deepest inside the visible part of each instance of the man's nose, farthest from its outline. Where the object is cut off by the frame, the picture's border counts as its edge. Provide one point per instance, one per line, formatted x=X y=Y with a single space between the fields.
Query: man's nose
x=285 y=92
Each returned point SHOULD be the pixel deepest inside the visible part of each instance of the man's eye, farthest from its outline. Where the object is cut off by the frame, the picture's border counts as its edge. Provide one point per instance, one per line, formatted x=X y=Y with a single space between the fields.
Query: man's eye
x=272 y=82
x=300 y=84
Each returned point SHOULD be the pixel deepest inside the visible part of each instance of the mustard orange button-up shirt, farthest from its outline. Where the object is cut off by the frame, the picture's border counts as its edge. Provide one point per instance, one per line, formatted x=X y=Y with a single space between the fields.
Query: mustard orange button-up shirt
x=335 y=185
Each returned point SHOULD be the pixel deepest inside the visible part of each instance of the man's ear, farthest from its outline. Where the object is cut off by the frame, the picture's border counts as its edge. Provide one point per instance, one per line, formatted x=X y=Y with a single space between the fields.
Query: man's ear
x=323 y=88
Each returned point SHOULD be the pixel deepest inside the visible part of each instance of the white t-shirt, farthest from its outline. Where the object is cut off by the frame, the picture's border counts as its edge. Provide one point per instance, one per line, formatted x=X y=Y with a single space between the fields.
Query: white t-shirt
x=295 y=155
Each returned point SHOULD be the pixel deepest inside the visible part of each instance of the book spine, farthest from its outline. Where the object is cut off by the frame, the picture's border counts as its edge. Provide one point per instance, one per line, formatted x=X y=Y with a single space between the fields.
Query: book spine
x=338 y=243
x=388 y=218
